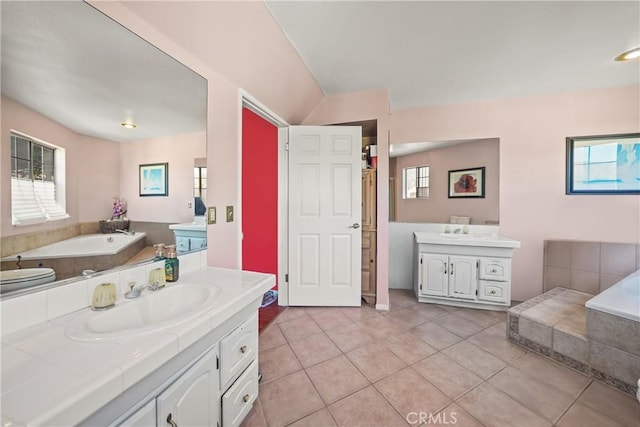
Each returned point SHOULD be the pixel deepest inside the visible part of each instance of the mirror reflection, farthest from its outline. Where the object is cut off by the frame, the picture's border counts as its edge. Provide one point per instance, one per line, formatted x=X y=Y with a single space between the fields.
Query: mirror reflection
x=85 y=102
x=419 y=181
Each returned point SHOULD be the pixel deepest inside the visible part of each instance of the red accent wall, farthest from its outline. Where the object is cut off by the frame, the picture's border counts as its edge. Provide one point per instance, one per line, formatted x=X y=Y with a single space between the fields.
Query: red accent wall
x=259 y=194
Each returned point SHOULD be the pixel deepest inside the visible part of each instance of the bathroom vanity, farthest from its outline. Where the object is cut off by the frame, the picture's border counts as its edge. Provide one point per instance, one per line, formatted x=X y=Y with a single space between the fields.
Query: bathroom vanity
x=463 y=269
x=190 y=236
x=191 y=360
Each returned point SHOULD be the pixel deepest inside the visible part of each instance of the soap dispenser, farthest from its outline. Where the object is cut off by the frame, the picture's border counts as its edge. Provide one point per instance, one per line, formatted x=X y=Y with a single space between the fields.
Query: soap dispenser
x=159 y=252
x=172 y=264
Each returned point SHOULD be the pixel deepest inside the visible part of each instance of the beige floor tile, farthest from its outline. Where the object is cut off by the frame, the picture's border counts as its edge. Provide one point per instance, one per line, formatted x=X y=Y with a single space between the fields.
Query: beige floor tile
x=542 y=398
x=483 y=318
x=494 y=408
x=612 y=404
x=435 y=335
x=432 y=311
x=410 y=393
x=349 y=337
x=355 y=313
x=365 y=408
x=314 y=349
x=453 y=415
x=451 y=378
x=299 y=328
x=497 y=344
x=553 y=373
x=336 y=378
x=379 y=326
x=475 y=359
x=277 y=362
x=271 y=337
x=322 y=418
x=580 y=415
x=290 y=313
x=458 y=325
x=400 y=298
x=331 y=319
x=410 y=317
x=375 y=361
x=255 y=417
x=288 y=399
x=407 y=347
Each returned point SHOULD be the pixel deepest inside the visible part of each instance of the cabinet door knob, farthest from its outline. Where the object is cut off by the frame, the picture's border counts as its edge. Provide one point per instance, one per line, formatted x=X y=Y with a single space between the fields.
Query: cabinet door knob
x=245 y=399
x=243 y=349
x=171 y=422
x=493 y=292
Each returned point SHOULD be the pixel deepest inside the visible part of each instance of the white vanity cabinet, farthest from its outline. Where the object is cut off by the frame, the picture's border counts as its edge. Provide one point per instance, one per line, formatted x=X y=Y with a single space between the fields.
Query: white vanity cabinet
x=474 y=273
x=192 y=399
x=143 y=417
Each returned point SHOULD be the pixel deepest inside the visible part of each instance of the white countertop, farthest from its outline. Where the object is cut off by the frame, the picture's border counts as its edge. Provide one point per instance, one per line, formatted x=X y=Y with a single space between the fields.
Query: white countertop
x=48 y=377
x=189 y=226
x=474 y=239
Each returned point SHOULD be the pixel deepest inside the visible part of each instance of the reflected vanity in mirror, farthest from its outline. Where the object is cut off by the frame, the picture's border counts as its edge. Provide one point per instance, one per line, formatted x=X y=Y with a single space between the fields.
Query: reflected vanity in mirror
x=104 y=101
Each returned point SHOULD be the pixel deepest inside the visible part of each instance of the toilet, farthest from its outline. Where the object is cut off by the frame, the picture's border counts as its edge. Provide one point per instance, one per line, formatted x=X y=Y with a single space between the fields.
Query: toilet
x=13 y=280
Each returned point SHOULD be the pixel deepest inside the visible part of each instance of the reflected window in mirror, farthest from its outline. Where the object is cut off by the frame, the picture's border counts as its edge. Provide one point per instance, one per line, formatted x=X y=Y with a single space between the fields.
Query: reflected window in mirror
x=200 y=187
x=415 y=182
x=37 y=193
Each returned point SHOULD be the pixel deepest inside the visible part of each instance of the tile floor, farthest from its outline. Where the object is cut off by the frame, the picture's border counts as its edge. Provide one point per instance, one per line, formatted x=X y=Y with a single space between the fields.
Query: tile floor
x=418 y=364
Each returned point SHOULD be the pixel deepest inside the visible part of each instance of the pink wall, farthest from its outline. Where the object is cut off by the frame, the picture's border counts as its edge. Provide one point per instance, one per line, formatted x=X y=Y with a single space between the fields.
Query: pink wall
x=210 y=38
x=439 y=207
x=179 y=151
x=359 y=106
x=88 y=176
x=532 y=131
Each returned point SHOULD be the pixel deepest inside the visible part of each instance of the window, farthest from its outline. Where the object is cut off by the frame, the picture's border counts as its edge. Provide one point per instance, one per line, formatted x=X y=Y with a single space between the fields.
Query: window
x=415 y=182
x=200 y=183
x=36 y=193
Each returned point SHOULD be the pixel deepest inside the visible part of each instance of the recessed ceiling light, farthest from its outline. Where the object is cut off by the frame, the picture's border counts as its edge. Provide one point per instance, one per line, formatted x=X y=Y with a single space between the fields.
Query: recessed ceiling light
x=128 y=124
x=629 y=55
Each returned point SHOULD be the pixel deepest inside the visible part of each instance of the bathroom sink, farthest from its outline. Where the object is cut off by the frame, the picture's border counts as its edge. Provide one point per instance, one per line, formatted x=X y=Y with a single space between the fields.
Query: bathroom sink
x=146 y=314
x=464 y=236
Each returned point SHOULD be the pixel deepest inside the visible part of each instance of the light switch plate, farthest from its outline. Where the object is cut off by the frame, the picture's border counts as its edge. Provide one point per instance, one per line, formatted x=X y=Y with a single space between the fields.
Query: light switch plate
x=211 y=215
x=229 y=213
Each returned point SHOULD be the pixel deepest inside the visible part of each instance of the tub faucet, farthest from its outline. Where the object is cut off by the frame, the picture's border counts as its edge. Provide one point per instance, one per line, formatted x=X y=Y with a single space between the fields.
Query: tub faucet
x=127 y=232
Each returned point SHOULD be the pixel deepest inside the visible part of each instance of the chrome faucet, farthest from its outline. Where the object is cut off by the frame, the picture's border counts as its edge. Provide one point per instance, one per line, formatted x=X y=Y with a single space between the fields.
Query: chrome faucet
x=456 y=231
x=127 y=232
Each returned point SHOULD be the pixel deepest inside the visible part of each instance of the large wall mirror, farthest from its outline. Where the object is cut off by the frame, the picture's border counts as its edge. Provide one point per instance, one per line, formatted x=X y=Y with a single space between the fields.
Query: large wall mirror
x=75 y=80
x=419 y=181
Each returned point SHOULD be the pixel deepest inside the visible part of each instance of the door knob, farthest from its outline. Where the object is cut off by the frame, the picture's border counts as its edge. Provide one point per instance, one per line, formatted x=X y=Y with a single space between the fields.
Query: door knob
x=355 y=225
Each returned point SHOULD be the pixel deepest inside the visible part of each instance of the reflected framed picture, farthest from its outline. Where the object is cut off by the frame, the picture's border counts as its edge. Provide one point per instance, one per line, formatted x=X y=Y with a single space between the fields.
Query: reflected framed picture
x=154 y=179
x=466 y=183
x=603 y=164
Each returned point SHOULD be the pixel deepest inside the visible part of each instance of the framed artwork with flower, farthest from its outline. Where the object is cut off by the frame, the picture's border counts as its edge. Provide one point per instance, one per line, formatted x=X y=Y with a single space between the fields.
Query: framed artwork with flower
x=466 y=183
x=154 y=179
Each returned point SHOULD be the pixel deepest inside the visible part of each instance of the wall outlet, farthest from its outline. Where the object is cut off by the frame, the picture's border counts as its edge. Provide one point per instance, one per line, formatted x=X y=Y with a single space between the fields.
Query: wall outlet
x=229 y=213
x=211 y=215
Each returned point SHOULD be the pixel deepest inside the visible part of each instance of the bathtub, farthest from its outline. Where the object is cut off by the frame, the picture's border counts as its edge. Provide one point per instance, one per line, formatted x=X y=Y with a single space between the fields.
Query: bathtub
x=80 y=246
x=69 y=258
x=622 y=299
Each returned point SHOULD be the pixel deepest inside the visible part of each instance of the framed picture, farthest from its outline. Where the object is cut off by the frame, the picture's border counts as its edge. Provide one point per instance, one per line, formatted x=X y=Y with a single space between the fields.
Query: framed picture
x=466 y=183
x=604 y=164
x=154 y=179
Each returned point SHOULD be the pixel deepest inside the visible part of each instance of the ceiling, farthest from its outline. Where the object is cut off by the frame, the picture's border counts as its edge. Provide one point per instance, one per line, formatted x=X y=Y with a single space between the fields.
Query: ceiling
x=445 y=52
x=78 y=67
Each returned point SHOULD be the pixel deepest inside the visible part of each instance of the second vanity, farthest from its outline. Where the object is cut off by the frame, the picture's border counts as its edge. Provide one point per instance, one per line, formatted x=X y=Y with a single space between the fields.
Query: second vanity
x=467 y=266
x=190 y=236
x=198 y=367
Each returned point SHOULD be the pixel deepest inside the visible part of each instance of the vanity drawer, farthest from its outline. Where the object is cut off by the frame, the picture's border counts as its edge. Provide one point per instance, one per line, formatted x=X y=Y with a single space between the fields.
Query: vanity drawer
x=495 y=269
x=494 y=291
x=238 y=400
x=238 y=349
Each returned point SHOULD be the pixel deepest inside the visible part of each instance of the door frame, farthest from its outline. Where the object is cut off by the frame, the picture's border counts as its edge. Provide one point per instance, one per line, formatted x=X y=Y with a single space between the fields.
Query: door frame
x=246 y=100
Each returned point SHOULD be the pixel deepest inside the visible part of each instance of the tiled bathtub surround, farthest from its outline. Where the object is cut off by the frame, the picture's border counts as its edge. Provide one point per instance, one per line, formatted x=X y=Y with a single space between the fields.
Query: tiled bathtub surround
x=589 y=267
x=556 y=324
x=10 y=245
x=21 y=312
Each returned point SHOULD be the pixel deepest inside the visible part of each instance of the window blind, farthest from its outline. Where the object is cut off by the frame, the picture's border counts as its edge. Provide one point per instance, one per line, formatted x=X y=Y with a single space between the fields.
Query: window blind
x=34 y=202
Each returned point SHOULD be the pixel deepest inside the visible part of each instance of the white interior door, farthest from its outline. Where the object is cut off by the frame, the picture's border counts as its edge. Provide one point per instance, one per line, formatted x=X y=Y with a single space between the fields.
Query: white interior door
x=325 y=210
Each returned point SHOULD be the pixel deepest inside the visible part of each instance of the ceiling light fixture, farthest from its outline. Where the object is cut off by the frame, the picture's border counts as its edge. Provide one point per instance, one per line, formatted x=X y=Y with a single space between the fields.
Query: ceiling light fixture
x=128 y=124
x=629 y=55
